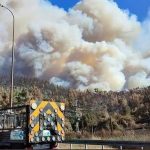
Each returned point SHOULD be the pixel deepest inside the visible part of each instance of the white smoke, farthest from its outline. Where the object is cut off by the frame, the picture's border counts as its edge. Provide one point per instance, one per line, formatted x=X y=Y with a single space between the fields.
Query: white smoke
x=93 y=45
x=142 y=41
x=139 y=80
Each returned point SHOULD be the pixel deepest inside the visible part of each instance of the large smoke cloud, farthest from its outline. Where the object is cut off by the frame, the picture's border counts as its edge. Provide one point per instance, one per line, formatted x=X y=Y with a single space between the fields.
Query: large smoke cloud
x=93 y=45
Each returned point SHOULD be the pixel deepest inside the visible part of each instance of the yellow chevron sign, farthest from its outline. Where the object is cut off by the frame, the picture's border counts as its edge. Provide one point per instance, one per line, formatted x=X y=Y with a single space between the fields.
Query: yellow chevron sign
x=46 y=117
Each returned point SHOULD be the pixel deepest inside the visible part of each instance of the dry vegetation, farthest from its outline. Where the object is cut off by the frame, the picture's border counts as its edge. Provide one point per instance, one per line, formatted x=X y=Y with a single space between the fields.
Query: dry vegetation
x=99 y=114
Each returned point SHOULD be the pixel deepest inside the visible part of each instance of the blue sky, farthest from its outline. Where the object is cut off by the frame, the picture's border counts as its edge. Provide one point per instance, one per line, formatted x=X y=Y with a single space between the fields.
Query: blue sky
x=138 y=7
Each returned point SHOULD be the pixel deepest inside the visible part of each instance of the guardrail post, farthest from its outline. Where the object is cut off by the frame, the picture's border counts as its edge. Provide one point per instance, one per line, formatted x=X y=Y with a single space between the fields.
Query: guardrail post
x=142 y=148
x=70 y=146
x=102 y=147
x=120 y=147
x=86 y=147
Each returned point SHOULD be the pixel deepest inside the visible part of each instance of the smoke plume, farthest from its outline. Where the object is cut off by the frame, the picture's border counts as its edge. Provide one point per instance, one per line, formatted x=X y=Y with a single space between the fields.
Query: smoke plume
x=93 y=45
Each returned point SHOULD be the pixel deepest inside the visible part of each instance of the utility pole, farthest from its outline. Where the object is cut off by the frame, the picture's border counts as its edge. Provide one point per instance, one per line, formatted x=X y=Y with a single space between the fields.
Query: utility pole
x=12 y=63
x=77 y=118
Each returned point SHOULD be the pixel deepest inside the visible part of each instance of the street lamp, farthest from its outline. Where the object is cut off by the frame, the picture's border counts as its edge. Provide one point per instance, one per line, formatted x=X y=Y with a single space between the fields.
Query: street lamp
x=12 y=63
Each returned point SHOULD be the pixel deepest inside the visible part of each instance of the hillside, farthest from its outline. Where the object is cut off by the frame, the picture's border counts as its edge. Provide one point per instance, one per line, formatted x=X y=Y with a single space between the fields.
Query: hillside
x=99 y=110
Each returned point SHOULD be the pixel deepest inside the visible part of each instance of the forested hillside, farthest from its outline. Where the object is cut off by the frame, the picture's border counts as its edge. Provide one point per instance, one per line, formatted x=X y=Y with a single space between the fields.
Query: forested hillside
x=99 y=110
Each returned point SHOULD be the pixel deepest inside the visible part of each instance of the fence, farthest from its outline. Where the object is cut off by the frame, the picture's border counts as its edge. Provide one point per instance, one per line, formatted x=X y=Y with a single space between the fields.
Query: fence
x=116 y=144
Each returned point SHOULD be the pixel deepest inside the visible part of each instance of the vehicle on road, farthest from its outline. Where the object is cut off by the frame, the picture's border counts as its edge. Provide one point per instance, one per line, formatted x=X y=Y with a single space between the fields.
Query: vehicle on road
x=37 y=123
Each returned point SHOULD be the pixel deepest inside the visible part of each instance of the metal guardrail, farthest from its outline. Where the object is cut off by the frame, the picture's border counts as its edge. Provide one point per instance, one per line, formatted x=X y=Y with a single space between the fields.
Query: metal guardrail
x=117 y=144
